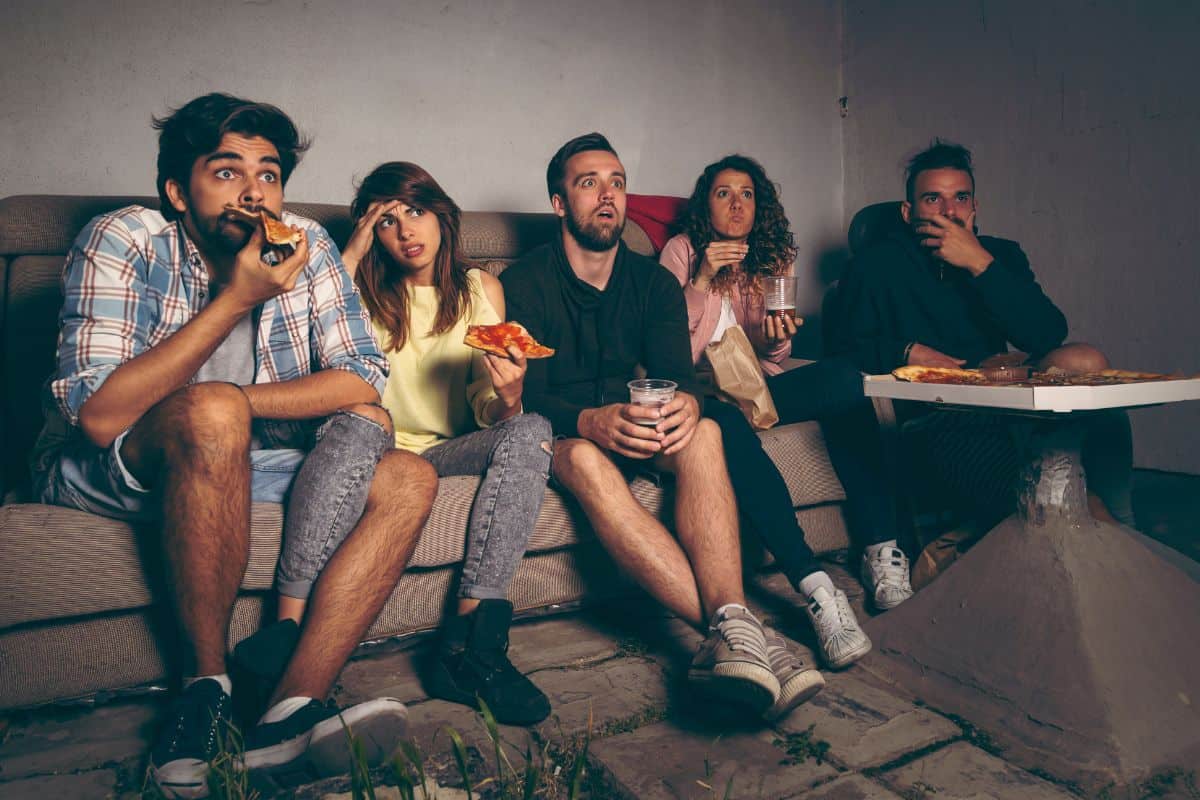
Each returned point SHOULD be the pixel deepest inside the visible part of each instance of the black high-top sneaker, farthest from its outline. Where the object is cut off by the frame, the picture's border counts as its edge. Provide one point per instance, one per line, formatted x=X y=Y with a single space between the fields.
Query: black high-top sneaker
x=257 y=665
x=191 y=738
x=472 y=661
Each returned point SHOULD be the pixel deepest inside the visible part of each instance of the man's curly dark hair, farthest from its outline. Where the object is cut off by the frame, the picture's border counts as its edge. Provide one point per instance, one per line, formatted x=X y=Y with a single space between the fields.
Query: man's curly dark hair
x=772 y=246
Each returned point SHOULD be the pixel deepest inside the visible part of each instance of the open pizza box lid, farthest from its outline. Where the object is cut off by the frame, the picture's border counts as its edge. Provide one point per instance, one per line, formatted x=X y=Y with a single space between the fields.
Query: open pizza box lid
x=1036 y=398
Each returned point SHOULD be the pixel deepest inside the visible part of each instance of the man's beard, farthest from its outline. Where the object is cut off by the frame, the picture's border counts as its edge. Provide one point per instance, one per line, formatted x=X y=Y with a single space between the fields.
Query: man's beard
x=220 y=235
x=592 y=235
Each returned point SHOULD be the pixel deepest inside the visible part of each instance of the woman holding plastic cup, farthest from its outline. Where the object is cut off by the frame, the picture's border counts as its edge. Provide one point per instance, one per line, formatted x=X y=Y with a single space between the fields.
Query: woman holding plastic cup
x=734 y=261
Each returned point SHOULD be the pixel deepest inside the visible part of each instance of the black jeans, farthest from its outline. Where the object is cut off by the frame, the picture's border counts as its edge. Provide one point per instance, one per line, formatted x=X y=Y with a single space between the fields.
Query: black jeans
x=829 y=391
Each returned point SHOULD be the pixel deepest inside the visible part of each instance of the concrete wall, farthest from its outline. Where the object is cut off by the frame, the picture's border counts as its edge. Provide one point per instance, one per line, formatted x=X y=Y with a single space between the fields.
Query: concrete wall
x=479 y=92
x=1085 y=122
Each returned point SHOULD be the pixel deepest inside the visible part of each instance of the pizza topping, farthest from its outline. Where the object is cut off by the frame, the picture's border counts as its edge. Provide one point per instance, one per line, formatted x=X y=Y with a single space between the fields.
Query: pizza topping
x=1007 y=376
x=497 y=338
x=939 y=375
x=278 y=234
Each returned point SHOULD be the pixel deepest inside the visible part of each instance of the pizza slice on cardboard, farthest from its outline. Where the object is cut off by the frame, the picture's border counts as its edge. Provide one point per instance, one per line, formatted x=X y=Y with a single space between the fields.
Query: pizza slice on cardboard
x=949 y=375
x=495 y=339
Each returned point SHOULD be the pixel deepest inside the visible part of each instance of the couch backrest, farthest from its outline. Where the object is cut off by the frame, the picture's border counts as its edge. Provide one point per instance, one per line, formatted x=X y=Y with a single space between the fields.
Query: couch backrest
x=36 y=231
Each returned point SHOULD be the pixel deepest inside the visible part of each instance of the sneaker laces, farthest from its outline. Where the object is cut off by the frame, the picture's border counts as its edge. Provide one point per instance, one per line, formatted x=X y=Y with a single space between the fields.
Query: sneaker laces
x=193 y=716
x=835 y=622
x=891 y=571
x=742 y=633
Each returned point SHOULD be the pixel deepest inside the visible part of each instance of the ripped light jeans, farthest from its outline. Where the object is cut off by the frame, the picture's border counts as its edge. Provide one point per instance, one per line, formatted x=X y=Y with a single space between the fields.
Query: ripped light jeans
x=327 y=497
x=513 y=456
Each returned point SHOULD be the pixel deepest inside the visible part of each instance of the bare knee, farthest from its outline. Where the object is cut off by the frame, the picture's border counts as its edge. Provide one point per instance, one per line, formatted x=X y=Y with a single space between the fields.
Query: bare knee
x=578 y=461
x=373 y=412
x=404 y=475
x=1075 y=357
x=701 y=452
x=207 y=415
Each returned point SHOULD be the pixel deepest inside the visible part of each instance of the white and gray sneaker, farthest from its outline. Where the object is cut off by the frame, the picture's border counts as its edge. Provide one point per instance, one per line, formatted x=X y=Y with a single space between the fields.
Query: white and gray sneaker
x=732 y=662
x=798 y=679
x=842 y=642
x=885 y=573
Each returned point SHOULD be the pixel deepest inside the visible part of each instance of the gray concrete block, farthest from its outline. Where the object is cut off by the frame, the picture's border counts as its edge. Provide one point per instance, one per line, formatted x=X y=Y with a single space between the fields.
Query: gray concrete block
x=69 y=740
x=850 y=787
x=665 y=760
x=866 y=726
x=961 y=771
x=94 y=785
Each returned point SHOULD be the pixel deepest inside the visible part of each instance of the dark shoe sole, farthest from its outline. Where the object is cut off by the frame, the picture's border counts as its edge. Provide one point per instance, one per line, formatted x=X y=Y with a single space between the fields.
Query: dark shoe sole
x=750 y=686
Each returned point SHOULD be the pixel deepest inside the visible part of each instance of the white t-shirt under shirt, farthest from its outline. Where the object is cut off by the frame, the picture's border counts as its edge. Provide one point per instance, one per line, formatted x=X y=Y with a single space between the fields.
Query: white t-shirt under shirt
x=724 y=322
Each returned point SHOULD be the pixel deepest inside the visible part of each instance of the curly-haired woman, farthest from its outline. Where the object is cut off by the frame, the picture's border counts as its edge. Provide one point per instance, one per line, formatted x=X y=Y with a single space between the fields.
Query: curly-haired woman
x=736 y=233
x=460 y=409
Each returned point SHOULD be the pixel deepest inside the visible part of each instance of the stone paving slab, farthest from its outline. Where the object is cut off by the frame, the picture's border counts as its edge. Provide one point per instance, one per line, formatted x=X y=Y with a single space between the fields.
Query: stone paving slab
x=964 y=772
x=666 y=761
x=865 y=726
x=850 y=787
x=68 y=740
x=95 y=785
x=611 y=692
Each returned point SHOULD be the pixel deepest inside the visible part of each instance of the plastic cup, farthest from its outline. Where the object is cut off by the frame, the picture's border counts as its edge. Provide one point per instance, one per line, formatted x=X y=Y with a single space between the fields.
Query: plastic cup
x=779 y=294
x=651 y=393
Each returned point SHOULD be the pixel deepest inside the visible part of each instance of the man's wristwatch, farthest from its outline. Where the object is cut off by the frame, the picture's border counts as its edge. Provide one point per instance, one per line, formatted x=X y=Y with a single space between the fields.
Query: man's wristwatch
x=908 y=351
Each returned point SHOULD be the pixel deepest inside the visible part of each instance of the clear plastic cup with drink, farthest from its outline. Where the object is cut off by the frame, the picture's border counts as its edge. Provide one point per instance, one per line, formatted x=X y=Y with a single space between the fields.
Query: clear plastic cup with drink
x=779 y=293
x=651 y=393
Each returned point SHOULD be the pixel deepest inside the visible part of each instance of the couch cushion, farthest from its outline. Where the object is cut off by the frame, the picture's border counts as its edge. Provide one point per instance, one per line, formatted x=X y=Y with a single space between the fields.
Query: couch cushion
x=44 y=662
x=59 y=562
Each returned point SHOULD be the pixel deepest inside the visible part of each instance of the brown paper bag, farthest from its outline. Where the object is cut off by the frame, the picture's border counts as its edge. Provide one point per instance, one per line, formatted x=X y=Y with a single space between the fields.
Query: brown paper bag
x=739 y=377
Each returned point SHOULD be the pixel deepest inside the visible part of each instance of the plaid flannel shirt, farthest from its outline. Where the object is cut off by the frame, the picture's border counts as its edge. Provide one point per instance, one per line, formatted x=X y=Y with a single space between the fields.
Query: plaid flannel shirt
x=132 y=279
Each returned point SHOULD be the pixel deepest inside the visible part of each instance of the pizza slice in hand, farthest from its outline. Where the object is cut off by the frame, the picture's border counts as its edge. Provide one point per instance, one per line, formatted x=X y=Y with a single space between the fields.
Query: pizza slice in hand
x=495 y=339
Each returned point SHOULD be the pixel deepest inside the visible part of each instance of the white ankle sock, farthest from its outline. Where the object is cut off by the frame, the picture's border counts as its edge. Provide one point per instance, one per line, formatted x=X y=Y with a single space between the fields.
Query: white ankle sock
x=720 y=612
x=817 y=580
x=222 y=679
x=284 y=709
x=873 y=549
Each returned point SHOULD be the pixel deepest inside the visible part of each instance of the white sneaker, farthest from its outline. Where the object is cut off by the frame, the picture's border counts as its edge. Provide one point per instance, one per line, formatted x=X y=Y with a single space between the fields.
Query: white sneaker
x=842 y=641
x=885 y=574
x=732 y=662
x=798 y=679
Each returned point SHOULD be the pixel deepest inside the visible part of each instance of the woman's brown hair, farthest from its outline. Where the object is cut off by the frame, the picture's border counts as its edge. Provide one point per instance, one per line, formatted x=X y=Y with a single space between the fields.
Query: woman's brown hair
x=381 y=284
x=772 y=246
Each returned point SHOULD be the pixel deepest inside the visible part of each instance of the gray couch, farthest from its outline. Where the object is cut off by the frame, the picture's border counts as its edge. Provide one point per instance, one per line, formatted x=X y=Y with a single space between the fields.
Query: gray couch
x=80 y=596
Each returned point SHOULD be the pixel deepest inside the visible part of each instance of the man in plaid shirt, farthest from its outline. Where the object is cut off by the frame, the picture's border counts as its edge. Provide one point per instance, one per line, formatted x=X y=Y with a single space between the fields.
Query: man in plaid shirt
x=193 y=377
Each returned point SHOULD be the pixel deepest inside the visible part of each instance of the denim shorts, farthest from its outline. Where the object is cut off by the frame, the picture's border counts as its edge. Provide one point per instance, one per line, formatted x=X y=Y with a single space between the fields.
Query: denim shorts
x=90 y=479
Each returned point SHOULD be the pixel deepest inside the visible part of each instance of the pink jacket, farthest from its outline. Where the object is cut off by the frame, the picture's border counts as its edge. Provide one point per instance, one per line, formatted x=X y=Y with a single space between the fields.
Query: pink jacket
x=704 y=309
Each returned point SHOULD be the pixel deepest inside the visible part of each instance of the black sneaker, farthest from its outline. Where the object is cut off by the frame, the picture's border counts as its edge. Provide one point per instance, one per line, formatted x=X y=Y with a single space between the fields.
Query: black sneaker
x=314 y=743
x=472 y=664
x=191 y=739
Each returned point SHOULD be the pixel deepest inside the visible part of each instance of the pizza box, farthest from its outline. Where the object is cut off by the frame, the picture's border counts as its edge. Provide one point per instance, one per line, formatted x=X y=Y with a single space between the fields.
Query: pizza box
x=1061 y=399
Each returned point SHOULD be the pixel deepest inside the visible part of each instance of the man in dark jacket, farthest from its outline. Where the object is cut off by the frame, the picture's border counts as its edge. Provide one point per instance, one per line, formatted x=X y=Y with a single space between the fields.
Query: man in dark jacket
x=606 y=310
x=933 y=293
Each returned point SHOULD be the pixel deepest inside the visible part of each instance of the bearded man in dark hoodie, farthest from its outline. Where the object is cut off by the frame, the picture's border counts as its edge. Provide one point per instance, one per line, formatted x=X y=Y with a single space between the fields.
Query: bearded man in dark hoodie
x=606 y=310
x=934 y=293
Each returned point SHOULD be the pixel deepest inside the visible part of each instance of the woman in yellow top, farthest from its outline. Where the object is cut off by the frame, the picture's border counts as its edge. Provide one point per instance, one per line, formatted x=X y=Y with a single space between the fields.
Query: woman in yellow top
x=460 y=409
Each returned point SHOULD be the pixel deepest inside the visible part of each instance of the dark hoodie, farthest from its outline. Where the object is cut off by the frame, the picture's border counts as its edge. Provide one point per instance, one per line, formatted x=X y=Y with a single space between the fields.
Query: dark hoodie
x=600 y=336
x=895 y=293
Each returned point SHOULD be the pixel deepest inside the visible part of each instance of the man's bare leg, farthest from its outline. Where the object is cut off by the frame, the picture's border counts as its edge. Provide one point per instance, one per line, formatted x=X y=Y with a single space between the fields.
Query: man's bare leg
x=635 y=540
x=194 y=449
x=362 y=573
x=706 y=517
